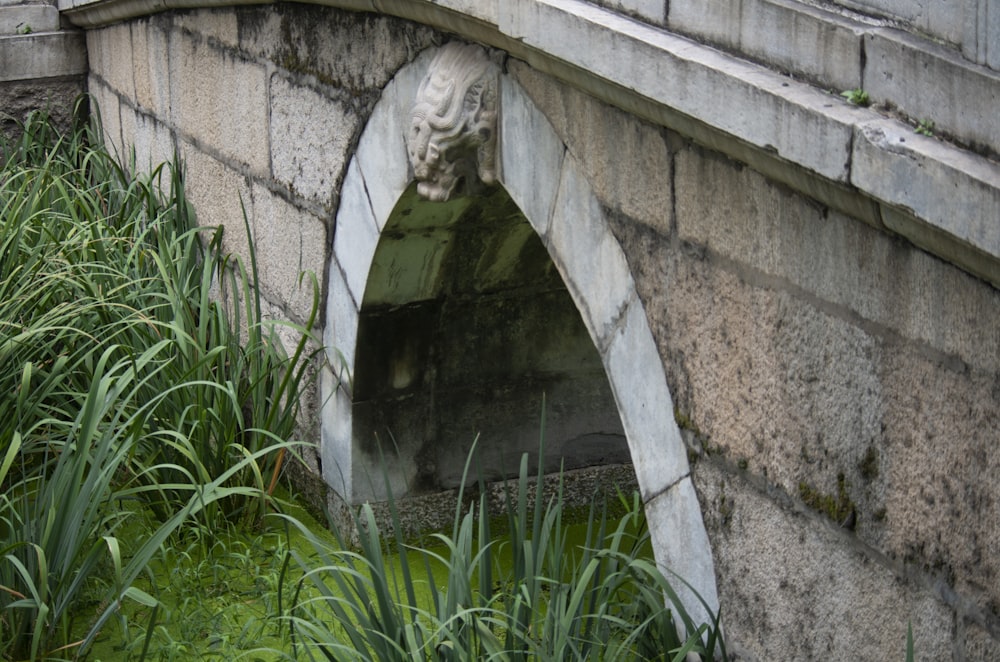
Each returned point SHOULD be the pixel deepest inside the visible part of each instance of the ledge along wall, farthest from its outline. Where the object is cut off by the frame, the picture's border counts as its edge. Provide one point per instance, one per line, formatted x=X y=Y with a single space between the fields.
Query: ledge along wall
x=794 y=299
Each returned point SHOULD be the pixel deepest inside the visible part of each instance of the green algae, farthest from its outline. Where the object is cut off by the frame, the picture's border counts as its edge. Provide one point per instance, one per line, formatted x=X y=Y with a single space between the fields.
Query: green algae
x=838 y=507
x=226 y=594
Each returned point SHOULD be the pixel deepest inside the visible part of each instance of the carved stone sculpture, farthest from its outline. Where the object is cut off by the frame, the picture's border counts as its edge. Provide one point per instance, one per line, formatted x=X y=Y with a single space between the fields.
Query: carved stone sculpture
x=453 y=135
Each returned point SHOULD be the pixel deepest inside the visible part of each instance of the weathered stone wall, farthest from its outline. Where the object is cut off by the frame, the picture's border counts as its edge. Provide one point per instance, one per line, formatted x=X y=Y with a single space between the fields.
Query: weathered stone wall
x=839 y=387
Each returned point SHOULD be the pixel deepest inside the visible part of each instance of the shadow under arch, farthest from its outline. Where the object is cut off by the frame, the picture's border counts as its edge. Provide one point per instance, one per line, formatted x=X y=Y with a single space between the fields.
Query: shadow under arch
x=548 y=186
x=466 y=327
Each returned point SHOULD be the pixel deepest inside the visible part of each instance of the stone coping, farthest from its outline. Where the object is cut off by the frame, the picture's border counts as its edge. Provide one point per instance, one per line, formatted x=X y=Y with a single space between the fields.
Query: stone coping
x=42 y=55
x=942 y=198
x=28 y=19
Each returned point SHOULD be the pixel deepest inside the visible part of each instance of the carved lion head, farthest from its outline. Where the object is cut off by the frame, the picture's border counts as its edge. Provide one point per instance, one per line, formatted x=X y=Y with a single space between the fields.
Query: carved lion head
x=452 y=137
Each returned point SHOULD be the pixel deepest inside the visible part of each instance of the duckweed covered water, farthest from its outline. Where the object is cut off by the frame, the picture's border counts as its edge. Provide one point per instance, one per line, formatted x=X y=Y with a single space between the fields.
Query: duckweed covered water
x=222 y=595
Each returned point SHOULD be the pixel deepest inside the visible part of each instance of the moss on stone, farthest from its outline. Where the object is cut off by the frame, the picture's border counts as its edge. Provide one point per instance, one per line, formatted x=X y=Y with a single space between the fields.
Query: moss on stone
x=868 y=466
x=697 y=443
x=726 y=507
x=839 y=507
x=684 y=422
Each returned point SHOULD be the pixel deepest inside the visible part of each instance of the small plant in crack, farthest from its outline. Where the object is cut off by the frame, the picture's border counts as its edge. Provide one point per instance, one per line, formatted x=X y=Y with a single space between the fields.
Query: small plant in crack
x=925 y=127
x=858 y=97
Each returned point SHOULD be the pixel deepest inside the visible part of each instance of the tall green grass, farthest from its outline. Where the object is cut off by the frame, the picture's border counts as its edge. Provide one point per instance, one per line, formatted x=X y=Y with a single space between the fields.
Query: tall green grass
x=531 y=594
x=126 y=391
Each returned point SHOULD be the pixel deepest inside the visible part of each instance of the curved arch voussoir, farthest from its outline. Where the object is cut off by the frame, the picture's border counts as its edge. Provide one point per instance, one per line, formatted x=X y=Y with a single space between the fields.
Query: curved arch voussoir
x=548 y=186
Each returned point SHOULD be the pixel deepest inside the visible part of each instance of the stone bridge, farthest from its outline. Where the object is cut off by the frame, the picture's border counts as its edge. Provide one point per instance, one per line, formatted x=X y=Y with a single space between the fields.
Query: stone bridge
x=776 y=301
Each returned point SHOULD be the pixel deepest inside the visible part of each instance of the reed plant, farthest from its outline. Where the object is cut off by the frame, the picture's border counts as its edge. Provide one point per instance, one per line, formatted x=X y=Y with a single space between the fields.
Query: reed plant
x=125 y=389
x=528 y=595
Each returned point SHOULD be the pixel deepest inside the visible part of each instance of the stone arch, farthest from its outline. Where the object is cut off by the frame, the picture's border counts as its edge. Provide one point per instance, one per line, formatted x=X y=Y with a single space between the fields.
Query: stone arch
x=547 y=184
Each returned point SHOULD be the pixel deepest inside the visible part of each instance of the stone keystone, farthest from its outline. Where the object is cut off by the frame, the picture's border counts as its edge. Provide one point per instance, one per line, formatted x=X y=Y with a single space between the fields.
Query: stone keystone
x=452 y=140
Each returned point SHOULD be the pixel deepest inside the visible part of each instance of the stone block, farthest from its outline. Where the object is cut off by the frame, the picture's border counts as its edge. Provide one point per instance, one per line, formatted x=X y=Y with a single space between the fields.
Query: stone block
x=105 y=102
x=336 y=444
x=836 y=415
x=484 y=10
x=42 y=55
x=795 y=588
x=944 y=187
x=979 y=645
x=358 y=52
x=942 y=305
x=943 y=20
x=989 y=41
x=291 y=247
x=771 y=382
x=110 y=54
x=147 y=142
x=28 y=19
x=128 y=128
x=20 y=98
x=531 y=332
x=930 y=82
x=386 y=454
x=788 y=36
x=941 y=460
x=807 y=41
x=151 y=70
x=220 y=25
x=751 y=372
x=505 y=424
x=219 y=195
x=653 y=11
x=682 y=547
x=624 y=159
x=406 y=268
x=381 y=153
x=310 y=136
x=221 y=100
x=975 y=41
x=153 y=143
x=340 y=334
x=715 y=21
x=738 y=214
x=587 y=255
x=637 y=379
x=530 y=155
x=356 y=235
x=409 y=264
x=259 y=28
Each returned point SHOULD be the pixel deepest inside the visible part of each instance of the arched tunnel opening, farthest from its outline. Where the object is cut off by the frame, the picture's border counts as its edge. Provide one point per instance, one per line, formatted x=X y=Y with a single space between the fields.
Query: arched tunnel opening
x=465 y=326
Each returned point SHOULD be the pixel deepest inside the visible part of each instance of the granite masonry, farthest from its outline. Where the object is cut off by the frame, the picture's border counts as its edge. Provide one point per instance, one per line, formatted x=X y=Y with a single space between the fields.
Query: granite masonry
x=780 y=306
